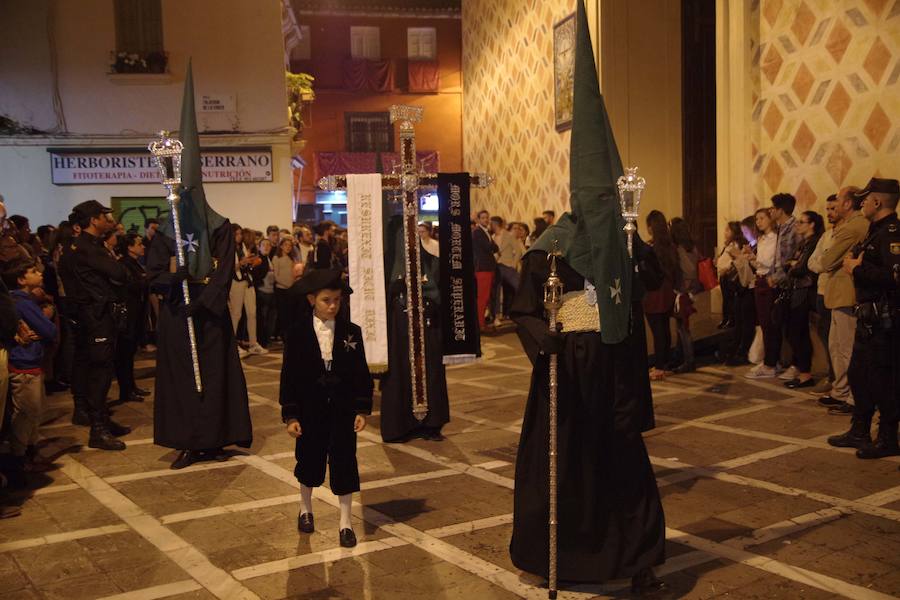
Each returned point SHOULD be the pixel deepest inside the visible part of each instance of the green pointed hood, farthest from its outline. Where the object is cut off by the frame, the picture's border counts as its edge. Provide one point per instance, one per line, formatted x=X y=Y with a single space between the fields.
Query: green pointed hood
x=198 y=219
x=591 y=236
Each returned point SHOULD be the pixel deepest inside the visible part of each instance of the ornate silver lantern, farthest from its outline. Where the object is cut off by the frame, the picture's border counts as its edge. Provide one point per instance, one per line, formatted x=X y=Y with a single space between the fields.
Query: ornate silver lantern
x=631 y=188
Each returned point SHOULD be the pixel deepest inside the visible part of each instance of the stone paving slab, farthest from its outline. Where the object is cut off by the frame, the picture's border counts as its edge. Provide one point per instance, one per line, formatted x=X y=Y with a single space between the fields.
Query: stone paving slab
x=746 y=483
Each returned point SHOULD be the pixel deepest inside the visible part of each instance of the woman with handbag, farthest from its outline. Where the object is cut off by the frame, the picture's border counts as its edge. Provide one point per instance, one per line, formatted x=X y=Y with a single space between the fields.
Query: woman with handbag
x=659 y=303
x=810 y=227
x=736 y=275
x=765 y=294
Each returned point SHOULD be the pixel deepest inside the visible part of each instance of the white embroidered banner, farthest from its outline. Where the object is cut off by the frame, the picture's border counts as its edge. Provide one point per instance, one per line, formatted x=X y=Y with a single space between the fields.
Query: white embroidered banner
x=365 y=240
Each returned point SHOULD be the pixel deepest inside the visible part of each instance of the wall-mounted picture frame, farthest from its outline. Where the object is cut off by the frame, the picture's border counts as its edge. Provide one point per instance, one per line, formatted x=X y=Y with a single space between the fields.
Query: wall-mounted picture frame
x=563 y=71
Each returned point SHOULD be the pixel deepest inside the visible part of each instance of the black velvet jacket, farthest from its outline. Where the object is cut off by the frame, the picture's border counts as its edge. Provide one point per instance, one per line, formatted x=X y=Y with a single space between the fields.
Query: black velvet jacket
x=304 y=380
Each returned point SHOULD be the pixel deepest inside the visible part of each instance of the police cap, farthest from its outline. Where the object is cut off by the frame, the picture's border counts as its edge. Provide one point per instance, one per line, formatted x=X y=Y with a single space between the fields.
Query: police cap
x=879 y=186
x=89 y=209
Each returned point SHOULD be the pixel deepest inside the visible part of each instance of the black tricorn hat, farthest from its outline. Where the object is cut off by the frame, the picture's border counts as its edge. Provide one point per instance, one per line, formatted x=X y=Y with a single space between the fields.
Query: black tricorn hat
x=321 y=279
x=879 y=186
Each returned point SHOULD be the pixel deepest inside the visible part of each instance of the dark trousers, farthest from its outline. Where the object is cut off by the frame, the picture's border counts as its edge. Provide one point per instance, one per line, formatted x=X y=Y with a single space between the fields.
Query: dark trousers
x=265 y=317
x=729 y=290
x=283 y=308
x=875 y=361
x=744 y=321
x=798 y=331
x=662 y=339
x=97 y=337
x=64 y=362
x=823 y=328
x=769 y=319
x=125 y=350
x=507 y=281
x=328 y=436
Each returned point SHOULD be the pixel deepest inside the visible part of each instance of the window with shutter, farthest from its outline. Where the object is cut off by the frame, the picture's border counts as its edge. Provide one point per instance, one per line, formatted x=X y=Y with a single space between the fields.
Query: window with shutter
x=138 y=26
x=365 y=42
x=369 y=132
x=421 y=43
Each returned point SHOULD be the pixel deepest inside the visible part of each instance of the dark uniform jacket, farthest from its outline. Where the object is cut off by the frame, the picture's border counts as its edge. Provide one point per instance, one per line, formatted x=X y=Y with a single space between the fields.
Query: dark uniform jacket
x=876 y=276
x=98 y=278
x=307 y=386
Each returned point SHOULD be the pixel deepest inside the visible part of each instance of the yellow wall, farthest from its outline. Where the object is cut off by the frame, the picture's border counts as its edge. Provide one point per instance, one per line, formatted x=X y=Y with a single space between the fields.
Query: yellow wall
x=508 y=126
x=811 y=99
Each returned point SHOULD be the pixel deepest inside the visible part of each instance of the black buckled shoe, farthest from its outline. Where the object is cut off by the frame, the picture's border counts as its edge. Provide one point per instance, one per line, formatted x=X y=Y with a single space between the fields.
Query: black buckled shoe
x=306 y=523
x=348 y=538
x=645 y=582
x=102 y=439
x=184 y=459
x=141 y=391
x=117 y=429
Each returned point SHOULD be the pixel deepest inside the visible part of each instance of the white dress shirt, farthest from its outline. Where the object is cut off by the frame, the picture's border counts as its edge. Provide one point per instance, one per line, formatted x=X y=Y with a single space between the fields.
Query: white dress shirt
x=325 y=334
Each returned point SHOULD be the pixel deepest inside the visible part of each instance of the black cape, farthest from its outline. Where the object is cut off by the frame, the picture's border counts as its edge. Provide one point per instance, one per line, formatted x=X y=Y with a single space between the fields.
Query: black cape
x=611 y=521
x=397 y=420
x=182 y=419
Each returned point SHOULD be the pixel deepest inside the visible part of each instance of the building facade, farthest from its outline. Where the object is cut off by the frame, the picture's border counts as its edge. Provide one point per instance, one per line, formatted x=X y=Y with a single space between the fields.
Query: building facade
x=365 y=57
x=77 y=115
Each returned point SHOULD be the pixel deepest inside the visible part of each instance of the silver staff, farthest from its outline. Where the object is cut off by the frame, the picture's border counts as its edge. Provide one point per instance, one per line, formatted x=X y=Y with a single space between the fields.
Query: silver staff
x=167 y=153
x=553 y=291
x=630 y=187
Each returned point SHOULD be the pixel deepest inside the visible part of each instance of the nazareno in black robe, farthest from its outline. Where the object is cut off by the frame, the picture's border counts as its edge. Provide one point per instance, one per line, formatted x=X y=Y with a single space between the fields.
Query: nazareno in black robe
x=611 y=522
x=181 y=418
x=397 y=420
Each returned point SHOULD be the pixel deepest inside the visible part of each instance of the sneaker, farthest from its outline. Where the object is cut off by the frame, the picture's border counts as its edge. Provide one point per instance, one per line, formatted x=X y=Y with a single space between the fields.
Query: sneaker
x=257 y=349
x=760 y=372
x=242 y=353
x=823 y=388
x=789 y=374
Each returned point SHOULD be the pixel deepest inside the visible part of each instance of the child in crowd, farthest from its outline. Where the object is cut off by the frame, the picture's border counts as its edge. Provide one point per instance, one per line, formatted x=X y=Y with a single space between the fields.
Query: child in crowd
x=326 y=391
x=26 y=357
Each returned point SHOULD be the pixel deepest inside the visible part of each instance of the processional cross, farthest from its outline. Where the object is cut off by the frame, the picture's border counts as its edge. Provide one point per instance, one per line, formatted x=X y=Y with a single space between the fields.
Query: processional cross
x=408 y=181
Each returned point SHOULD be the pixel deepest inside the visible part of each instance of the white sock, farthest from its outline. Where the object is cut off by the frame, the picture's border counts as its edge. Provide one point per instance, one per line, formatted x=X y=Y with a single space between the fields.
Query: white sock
x=305 y=499
x=345 y=501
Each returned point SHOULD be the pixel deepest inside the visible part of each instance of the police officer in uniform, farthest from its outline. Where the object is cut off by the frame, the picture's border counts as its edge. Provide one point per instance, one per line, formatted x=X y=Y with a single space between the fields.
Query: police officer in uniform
x=97 y=294
x=875 y=366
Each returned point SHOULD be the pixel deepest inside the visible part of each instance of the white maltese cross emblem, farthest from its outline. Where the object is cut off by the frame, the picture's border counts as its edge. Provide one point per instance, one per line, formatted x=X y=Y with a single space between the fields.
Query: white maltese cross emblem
x=189 y=243
x=615 y=291
x=350 y=343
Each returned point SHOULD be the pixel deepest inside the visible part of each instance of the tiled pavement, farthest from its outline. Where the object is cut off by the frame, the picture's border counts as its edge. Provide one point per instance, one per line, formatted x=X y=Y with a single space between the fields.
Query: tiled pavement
x=757 y=504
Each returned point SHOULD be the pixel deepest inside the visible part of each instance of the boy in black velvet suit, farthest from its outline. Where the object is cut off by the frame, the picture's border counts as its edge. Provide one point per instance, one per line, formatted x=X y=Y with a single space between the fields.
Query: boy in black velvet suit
x=326 y=391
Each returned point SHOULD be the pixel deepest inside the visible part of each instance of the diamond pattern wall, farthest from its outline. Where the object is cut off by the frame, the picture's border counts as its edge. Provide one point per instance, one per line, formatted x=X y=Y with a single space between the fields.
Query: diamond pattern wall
x=508 y=106
x=827 y=104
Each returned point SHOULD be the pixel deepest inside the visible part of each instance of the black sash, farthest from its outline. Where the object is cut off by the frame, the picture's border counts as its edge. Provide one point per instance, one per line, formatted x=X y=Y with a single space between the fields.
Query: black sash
x=459 y=311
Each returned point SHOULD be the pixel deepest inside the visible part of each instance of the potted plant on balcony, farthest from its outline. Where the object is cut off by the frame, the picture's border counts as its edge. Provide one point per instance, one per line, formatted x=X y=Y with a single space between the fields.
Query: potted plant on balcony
x=299 y=92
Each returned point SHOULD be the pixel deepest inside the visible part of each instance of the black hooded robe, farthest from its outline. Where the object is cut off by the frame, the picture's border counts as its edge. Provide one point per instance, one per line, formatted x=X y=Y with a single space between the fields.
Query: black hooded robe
x=221 y=416
x=611 y=522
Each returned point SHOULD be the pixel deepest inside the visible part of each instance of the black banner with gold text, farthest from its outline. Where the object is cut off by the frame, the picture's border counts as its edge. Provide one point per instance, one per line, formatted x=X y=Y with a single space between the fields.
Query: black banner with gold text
x=459 y=312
